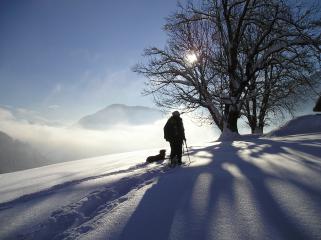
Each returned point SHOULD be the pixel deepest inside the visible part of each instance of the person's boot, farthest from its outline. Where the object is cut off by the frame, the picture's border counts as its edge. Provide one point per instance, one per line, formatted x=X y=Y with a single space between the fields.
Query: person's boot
x=173 y=161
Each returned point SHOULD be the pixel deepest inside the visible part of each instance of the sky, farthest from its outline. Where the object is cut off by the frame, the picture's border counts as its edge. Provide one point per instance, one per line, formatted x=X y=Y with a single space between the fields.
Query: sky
x=63 y=59
x=66 y=59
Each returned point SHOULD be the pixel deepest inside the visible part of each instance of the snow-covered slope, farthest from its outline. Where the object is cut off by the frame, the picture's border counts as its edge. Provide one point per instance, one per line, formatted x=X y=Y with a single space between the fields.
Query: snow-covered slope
x=266 y=188
x=300 y=125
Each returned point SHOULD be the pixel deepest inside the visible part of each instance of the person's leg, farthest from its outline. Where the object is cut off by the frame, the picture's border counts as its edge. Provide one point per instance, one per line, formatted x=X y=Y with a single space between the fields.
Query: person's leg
x=179 y=152
x=173 y=153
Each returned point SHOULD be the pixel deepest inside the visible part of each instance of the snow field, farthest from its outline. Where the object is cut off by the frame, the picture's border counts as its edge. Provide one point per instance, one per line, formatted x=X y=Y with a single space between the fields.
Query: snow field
x=253 y=188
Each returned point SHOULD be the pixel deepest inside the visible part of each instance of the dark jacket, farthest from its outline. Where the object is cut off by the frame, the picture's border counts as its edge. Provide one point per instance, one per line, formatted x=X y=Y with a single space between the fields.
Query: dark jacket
x=174 y=129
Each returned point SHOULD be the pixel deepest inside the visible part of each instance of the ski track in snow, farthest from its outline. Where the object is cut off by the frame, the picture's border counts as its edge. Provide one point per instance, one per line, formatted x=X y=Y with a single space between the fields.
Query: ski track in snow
x=72 y=218
x=57 y=187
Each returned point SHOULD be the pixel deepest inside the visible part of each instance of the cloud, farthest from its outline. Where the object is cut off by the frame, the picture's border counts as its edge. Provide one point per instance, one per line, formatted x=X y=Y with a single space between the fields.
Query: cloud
x=24 y=115
x=5 y=114
x=56 y=89
x=53 y=94
x=112 y=86
x=25 y=112
x=53 y=107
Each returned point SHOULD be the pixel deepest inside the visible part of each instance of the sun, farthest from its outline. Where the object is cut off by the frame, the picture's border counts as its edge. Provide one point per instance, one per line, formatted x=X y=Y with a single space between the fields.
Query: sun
x=191 y=57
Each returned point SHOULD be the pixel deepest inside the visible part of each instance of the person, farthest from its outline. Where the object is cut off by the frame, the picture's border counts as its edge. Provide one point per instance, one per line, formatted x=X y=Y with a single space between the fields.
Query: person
x=174 y=133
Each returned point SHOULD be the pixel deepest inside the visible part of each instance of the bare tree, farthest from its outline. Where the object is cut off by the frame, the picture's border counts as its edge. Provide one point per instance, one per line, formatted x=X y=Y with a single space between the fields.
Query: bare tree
x=185 y=73
x=283 y=71
x=280 y=88
x=216 y=53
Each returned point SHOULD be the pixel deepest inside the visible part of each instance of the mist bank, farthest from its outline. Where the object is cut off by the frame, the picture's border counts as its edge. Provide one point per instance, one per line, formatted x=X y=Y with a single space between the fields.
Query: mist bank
x=16 y=155
x=64 y=143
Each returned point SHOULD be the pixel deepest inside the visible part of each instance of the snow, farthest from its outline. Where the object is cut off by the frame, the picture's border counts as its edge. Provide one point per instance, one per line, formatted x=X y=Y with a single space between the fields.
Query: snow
x=253 y=188
x=227 y=135
x=300 y=125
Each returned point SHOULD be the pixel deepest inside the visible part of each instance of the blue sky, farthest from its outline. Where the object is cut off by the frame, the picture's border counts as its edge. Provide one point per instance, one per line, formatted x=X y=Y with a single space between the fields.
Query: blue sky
x=66 y=58
x=63 y=59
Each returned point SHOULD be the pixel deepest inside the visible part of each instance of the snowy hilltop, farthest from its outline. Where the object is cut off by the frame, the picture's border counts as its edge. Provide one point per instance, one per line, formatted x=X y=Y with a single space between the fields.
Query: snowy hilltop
x=253 y=188
x=120 y=114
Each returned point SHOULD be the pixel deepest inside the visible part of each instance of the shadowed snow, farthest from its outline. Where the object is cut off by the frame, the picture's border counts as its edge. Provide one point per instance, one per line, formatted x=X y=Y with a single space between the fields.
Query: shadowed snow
x=259 y=188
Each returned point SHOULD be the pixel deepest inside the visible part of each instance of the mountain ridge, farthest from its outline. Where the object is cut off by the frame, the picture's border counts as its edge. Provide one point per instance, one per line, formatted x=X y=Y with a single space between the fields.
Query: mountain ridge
x=120 y=114
x=16 y=155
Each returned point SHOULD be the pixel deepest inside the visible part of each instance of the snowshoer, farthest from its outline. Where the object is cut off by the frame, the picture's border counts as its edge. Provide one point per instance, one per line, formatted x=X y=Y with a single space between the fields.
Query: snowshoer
x=174 y=133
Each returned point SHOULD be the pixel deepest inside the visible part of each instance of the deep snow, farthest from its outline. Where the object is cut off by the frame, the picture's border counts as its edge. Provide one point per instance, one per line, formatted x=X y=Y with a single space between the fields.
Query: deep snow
x=255 y=188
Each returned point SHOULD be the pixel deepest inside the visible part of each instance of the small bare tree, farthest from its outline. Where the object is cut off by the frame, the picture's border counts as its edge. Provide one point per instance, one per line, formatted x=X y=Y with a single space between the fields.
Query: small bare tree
x=280 y=88
x=283 y=70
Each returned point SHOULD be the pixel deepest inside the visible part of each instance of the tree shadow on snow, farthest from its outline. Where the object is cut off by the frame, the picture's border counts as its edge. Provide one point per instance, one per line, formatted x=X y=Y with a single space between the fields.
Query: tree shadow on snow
x=228 y=198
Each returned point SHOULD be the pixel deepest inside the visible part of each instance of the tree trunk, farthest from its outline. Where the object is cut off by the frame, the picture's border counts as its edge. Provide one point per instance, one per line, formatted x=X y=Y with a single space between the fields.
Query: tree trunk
x=252 y=128
x=232 y=121
x=217 y=119
x=258 y=130
x=253 y=123
x=230 y=130
x=228 y=134
x=231 y=117
x=317 y=107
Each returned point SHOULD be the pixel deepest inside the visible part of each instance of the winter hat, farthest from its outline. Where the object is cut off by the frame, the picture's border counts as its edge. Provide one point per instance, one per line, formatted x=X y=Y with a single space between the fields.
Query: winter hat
x=176 y=113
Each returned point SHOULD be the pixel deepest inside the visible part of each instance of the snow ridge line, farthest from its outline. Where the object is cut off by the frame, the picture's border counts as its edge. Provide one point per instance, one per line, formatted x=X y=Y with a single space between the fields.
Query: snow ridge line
x=74 y=219
x=51 y=190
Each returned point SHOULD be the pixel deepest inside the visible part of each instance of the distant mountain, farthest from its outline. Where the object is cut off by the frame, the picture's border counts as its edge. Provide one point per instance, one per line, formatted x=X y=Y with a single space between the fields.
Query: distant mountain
x=16 y=155
x=120 y=114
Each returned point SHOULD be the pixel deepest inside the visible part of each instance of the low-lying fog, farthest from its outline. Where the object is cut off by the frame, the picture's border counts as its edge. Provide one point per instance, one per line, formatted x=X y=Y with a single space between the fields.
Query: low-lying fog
x=64 y=143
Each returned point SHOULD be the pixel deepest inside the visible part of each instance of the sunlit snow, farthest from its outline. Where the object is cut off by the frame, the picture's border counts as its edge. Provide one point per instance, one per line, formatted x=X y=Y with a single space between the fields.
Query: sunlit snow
x=253 y=188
